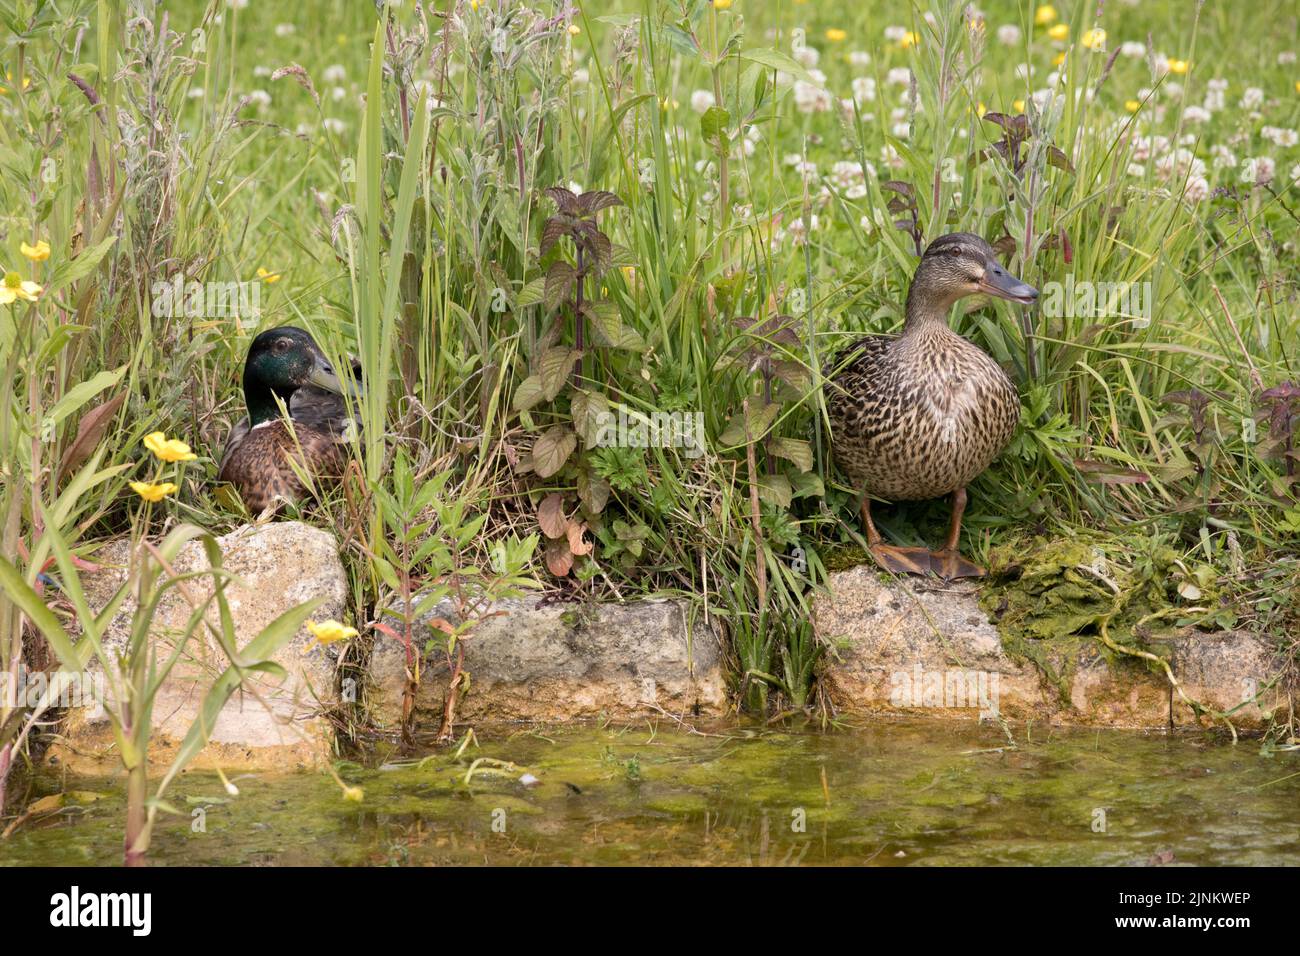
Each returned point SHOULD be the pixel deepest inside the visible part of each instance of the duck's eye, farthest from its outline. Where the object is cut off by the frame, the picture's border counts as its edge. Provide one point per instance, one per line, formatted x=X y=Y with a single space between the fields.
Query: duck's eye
x=281 y=345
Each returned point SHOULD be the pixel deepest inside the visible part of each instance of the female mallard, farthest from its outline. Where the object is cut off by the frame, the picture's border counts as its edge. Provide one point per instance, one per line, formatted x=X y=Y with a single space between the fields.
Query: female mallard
x=920 y=415
x=286 y=363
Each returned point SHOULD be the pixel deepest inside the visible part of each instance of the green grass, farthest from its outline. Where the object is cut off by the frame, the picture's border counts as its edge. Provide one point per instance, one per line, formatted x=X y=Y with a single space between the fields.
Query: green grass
x=393 y=179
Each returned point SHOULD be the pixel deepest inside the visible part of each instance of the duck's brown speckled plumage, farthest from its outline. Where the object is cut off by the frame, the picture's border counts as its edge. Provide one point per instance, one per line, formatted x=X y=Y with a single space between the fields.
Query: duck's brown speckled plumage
x=258 y=462
x=920 y=415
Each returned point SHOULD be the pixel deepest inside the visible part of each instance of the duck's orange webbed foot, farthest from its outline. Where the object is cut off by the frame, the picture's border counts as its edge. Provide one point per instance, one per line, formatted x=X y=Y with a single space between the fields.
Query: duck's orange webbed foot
x=950 y=565
x=902 y=560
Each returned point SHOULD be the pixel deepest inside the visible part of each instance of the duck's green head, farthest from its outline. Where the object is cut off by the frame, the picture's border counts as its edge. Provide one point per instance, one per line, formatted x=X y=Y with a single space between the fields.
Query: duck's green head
x=961 y=264
x=281 y=361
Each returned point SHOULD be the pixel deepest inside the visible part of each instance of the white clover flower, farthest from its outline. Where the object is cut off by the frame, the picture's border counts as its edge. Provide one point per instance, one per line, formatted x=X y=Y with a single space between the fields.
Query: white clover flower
x=864 y=89
x=1215 y=100
x=1008 y=34
x=796 y=231
x=1279 y=136
x=260 y=98
x=1286 y=58
x=581 y=76
x=1174 y=90
x=1196 y=189
x=849 y=178
x=1179 y=164
x=1133 y=49
x=1223 y=157
x=195 y=93
x=1043 y=99
x=1258 y=170
x=1295 y=175
x=1218 y=85
x=260 y=71
x=237 y=4
x=334 y=73
x=891 y=157
x=284 y=29
x=901 y=131
x=1196 y=114
x=1136 y=169
x=811 y=98
x=1023 y=71
x=335 y=126
x=894 y=34
x=808 y=56
x=702 y=101
x=859 y=58
x=1252 y=98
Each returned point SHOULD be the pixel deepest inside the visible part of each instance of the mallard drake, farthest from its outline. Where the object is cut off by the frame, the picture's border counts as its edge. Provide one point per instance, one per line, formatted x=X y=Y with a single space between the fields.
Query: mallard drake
x=919 y=415
x=287 y=363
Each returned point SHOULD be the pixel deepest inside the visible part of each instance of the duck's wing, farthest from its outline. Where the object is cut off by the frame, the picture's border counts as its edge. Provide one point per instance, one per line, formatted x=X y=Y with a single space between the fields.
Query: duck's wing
x=237 y=435
x=854 y=362
x=319 y=408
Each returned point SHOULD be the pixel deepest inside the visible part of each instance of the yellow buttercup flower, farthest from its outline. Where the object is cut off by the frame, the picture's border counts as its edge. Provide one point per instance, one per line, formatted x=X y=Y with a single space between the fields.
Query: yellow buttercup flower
x=1058 y=59
x=981 y=110
x=1059 y=32
x=27 y=82
x=1044 y=14
x=37 y=253
x=168 y=449
x=836 y=35
x=1178 y=66
x=1132 y=105
x=1018 y=106
x=267 y=276
x=574 y=29
x=151 y=492
x=1094 y=39
x=1297 y=86
x=16 y=287
x=908 y=39
x=722 y=4
x=331 y=631
x=354 y=794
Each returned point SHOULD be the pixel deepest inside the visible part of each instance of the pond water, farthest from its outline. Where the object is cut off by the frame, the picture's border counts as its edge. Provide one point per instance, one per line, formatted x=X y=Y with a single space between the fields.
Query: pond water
x=882 y=793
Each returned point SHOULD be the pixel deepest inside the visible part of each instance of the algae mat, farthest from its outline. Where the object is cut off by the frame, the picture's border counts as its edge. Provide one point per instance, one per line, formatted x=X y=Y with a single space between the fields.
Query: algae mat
x=887 y=794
